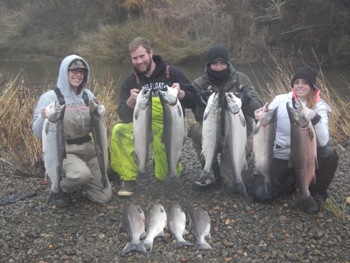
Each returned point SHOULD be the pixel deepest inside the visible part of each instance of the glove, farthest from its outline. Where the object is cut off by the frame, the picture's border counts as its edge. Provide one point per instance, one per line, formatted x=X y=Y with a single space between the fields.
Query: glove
x=203 y=98
x=243 y=95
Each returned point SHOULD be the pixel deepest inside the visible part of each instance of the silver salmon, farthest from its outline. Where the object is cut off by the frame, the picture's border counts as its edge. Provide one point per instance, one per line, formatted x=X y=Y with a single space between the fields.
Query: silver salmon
x=177 y=225
x=235 y=141
x=173 y=131
x=303 y=154
x=53 y=146
x=263 y=140
x=156 y=222
x=210 y=136
x=99 y=132
x=200 y=225
x=133 y=220
x=142 y=121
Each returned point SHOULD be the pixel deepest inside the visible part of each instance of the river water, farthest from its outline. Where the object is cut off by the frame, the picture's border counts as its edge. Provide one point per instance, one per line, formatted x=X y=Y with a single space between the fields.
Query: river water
x=44 y=74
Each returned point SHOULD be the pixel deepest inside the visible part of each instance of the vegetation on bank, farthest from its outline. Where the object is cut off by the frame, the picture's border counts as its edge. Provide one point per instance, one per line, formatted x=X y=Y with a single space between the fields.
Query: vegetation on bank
x=181 y=30
x=20 y=151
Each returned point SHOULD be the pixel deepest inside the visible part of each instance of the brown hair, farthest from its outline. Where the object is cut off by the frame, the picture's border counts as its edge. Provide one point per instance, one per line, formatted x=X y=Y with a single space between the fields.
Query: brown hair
x=140 y=41
x=312 y=99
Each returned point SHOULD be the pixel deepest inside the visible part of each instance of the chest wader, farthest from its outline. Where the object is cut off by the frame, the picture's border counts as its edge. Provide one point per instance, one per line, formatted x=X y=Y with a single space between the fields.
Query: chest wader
x=81 y=167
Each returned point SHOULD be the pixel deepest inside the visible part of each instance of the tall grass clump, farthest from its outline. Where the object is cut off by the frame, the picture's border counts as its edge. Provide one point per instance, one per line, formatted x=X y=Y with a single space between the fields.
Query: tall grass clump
x=20 y=150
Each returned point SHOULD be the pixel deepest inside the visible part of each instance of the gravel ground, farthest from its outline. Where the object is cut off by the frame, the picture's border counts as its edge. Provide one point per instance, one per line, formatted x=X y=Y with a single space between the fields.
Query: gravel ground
x=242 y=231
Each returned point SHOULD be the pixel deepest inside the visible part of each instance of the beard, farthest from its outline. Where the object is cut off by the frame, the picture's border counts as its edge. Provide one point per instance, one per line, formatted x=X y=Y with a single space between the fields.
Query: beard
x=144 y=70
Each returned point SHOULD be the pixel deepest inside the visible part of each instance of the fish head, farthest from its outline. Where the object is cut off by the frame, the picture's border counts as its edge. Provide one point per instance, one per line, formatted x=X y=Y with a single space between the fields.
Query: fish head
x=95 y=107
x=54 y=111
x=143 y=98
x=297 y=116
x=267 y=116
x=168 y=97
x=214 y=100
x=234 y=103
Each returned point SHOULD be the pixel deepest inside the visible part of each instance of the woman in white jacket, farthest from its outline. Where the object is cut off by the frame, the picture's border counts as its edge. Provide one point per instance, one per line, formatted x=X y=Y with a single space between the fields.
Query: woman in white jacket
x=282 y=177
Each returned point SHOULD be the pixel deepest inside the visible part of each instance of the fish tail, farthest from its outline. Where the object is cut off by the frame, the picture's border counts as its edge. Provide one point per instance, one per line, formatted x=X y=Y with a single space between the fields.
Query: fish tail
x=203 y=246
x=148 y=246
x=183 y=243
x=308 y=204
x=137 y=247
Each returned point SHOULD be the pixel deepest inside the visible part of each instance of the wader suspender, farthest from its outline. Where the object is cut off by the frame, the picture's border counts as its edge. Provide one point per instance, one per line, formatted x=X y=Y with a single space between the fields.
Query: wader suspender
x=167 y=71
x=61 y=100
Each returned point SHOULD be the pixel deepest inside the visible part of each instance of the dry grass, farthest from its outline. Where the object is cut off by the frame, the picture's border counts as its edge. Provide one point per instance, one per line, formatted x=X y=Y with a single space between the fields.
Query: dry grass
x=280 y=74
x=334 y=209
x=20 y=150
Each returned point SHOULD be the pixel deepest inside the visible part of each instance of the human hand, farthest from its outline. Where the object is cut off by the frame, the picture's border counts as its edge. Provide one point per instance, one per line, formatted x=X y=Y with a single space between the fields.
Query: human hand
x=258 y=113
x=131 y=102
x=43 y=113
x=243 y=95
x=180 y=93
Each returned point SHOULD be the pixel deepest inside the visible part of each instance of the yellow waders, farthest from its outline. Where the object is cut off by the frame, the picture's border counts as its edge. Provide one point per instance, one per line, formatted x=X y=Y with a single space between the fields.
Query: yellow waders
x=122 y=147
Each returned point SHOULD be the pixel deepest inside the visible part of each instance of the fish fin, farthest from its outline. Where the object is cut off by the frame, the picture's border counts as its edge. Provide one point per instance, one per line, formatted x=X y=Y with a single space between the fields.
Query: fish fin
x=308 y=205
x=257 y=127
x=203 y=246
x=136 y=114
x=316 y=162
x=144 y=234
x=242 y=119
x=183 y=244
x=130 y=247
x=311 y=134
x=185 y=232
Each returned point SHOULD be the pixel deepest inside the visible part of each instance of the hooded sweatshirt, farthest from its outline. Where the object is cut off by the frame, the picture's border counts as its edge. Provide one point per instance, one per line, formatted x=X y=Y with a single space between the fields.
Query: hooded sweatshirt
x=74 y=102
x=156 y=81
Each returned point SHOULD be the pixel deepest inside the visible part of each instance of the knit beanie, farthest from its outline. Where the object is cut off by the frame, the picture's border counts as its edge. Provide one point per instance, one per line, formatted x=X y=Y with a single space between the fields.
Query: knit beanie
x=217 y=52
x=307 y=74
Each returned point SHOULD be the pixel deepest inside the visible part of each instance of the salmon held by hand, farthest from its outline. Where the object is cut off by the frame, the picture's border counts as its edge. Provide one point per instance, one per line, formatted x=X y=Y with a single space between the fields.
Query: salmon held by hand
x=53 y=147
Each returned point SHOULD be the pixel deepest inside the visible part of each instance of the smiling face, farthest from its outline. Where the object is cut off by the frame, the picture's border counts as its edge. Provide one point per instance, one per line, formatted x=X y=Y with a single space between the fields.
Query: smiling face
x=76 y=77
x=142 y=61
x=301 y=89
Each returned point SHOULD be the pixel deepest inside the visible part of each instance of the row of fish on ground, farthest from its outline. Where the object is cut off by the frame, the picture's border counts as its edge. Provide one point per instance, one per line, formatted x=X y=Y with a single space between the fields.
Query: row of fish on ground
x=174 y=220
x=53 y=142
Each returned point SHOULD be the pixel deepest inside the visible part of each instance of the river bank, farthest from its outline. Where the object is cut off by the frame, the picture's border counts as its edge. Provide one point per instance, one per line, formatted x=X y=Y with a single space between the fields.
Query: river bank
x=242 y=231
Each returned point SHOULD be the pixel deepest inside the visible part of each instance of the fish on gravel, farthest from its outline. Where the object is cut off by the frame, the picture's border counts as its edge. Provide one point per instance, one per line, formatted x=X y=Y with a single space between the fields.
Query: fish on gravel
x=133 y=220
x=210 y=137
x=142 y=130
x=303 y=154
x=200 y=225
x=263 y=141
x=53 y=146
x=177 y=224
x=173 y=131
x=235 y=141
x=156 y=222
x=99 y=132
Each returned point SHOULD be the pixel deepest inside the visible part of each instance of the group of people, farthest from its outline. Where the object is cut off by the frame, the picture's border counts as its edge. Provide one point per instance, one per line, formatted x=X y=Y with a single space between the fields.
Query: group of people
x=81 y=168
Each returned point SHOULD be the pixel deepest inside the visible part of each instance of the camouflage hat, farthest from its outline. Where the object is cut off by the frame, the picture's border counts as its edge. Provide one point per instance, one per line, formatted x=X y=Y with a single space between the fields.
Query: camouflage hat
x=77 y=64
